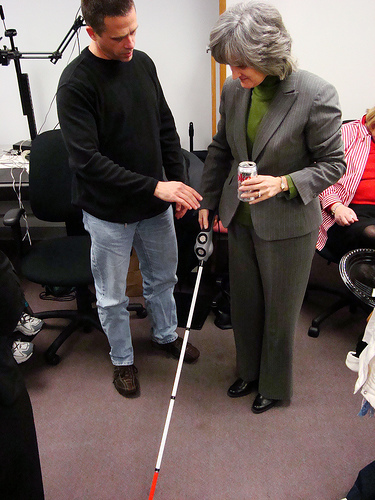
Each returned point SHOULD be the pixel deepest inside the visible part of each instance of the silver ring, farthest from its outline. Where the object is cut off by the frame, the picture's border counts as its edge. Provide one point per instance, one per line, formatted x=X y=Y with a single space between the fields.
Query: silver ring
x=259 y=195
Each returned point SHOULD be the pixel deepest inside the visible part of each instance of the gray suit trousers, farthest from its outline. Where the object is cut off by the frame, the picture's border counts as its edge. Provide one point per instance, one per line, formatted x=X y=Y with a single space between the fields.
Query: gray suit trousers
x=268 y=281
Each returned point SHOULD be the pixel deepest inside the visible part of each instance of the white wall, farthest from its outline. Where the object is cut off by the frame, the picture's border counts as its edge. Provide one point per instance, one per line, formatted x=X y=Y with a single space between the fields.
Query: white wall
x=334 y=39
x=173 y=32
x=330 y=37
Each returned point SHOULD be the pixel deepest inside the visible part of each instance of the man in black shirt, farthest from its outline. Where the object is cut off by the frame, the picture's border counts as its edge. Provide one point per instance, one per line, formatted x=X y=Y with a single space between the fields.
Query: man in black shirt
x=121 y=139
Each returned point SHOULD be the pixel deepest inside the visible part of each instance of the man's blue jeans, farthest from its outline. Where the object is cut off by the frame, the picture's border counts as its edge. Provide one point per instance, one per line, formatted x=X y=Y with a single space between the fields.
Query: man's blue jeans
x=154 y=241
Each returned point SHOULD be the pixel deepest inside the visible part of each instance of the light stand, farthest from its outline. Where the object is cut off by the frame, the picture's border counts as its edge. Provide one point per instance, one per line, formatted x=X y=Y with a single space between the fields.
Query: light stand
x=6 y=55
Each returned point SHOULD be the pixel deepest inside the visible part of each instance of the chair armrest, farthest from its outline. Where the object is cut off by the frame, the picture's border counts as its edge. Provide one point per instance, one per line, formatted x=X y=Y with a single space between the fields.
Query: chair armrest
x=13 y=216
x=12 y=219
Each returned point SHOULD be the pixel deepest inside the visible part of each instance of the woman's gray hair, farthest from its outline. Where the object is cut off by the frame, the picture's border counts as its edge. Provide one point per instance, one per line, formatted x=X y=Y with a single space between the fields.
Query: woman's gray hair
x=253 y=35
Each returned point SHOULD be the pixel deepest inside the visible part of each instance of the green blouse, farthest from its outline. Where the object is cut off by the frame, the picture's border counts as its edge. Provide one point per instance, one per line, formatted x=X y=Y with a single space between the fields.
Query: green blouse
x=261 y=98
x=260 y=101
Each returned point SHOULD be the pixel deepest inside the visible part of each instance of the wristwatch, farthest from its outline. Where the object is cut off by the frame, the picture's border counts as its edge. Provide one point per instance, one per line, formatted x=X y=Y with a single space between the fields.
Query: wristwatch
x=335 y=205
x=283 y=186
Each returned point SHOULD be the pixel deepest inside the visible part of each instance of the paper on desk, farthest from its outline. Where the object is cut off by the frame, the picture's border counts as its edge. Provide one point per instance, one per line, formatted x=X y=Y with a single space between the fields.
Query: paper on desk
x=9 y=160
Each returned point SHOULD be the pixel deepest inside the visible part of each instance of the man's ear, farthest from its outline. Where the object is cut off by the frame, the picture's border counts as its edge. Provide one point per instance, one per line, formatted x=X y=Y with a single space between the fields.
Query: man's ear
x=91 y=33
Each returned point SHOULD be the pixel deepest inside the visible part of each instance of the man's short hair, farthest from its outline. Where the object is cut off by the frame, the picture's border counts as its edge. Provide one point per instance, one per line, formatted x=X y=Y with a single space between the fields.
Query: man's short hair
x=94 y=11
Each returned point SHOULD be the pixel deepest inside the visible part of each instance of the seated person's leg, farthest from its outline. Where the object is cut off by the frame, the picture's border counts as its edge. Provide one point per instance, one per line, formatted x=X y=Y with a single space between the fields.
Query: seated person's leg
x=361 y=234
x=368 y=236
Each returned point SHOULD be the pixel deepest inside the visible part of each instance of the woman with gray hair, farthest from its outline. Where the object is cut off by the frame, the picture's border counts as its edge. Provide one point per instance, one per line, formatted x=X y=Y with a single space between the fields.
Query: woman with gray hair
x=287 y=121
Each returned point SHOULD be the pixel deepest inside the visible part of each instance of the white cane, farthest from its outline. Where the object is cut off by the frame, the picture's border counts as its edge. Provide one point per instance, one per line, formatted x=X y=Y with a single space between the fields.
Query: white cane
x=203 y=249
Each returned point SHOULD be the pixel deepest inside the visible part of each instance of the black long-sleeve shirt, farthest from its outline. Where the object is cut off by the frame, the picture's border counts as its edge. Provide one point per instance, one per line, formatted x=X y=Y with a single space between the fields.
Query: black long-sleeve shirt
x=120 y=133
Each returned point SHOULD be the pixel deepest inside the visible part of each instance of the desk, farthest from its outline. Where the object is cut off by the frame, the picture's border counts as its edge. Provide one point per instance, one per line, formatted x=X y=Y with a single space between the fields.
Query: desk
x=14 y=190
x=14 y=175
x=14 y=185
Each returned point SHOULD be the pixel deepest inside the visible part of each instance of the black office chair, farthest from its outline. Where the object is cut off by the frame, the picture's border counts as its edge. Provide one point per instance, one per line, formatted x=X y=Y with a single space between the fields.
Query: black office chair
x=344 y=297
x=187 y=230
x=57 y=262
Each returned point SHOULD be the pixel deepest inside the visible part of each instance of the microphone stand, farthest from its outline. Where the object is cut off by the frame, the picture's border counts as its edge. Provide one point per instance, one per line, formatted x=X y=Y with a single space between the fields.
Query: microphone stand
x=6 y=55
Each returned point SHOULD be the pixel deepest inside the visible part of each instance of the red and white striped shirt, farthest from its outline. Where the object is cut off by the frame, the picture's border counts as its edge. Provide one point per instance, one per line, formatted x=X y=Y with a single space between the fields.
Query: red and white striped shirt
x=357 y=143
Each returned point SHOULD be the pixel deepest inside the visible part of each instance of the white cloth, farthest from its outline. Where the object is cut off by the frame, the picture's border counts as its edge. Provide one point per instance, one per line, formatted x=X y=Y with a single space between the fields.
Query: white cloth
x=365 y=364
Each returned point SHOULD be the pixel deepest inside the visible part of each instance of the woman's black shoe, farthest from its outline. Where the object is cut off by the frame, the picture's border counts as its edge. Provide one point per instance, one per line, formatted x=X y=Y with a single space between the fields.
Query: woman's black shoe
x=262 y=404
x=240 y=388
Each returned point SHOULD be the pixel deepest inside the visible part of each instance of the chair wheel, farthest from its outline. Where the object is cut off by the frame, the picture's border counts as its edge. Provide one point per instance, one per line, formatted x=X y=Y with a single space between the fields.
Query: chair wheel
x=52 y=359
x=142 y=314
x=314 y=331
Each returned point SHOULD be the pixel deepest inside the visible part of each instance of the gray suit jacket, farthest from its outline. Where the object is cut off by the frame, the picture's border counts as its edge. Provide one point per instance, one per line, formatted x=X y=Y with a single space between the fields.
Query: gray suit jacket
x=300 y=135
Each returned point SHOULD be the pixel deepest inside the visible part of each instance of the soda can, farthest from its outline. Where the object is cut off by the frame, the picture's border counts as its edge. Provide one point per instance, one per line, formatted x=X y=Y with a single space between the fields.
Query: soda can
x=246 y=169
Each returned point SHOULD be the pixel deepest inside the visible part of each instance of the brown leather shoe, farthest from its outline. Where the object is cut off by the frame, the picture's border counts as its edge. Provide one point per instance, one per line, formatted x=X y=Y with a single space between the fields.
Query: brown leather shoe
x=174 y=348
x=125 y=380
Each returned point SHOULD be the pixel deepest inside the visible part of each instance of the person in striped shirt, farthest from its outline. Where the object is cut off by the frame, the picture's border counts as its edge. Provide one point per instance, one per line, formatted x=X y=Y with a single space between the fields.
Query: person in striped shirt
x=348 y=207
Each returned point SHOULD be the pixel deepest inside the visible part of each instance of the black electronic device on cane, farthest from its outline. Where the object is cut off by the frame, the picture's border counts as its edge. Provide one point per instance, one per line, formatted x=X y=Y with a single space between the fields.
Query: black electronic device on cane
x=203 y=247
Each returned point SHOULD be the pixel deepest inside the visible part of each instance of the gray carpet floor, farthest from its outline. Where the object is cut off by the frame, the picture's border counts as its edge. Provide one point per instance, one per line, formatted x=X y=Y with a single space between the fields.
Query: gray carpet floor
x=95 y=444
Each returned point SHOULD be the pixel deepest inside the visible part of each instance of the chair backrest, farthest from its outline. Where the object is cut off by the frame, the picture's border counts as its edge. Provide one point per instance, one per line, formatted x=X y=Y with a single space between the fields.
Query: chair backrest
x=194 y=169
x=50 y=179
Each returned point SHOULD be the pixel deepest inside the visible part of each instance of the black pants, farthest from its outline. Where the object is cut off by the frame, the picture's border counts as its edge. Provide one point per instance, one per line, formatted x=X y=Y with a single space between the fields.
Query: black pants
x=342 y=239
x=20 y=473
x=364 y=487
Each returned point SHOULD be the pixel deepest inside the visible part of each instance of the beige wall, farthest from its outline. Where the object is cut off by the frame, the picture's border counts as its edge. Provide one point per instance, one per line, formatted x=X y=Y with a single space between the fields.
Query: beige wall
x=174 y=33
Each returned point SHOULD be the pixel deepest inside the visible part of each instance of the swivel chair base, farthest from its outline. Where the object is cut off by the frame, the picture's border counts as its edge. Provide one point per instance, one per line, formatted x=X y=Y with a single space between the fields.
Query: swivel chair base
x=346 y=299
x=84 y=317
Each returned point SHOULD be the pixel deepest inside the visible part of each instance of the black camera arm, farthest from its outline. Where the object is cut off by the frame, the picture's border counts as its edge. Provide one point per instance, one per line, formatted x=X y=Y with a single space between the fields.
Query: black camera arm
x=6 y=55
